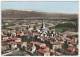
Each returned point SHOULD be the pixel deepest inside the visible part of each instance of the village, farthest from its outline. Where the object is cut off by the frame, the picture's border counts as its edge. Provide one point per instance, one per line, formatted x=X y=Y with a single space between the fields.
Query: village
x=38 y=39
x=39 y=28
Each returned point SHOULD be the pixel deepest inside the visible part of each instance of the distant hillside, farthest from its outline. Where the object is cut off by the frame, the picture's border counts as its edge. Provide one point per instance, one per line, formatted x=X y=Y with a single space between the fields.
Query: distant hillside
x=9 y=14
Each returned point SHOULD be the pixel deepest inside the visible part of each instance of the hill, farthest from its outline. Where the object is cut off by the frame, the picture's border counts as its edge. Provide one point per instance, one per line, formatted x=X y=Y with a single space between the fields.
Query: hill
x=18 y=14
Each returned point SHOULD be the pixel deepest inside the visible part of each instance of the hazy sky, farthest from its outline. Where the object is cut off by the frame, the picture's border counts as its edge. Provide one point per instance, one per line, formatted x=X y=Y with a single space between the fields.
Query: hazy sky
x=68 y=7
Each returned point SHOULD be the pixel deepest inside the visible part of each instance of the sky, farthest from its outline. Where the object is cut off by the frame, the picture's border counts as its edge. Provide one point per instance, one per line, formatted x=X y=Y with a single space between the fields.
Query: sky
x=68 y=7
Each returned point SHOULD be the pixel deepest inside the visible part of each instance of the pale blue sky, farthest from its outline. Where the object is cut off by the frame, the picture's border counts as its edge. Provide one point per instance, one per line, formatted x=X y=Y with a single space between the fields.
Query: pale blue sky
x=69 y=7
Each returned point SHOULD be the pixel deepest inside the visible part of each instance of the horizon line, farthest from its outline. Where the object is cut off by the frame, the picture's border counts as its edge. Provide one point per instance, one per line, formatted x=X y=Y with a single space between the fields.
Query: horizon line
x=43 y=11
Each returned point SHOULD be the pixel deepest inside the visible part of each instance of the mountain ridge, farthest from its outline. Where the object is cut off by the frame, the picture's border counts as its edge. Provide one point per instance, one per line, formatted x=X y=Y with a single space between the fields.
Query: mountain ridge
x=24 y=14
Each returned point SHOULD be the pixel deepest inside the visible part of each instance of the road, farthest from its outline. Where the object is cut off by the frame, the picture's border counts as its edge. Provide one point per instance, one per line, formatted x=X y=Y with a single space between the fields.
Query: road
x=16 y=53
